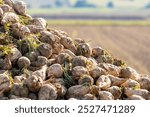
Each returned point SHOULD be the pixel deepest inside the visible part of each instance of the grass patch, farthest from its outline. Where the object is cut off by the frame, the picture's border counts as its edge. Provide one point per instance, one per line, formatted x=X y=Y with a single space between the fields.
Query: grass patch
x=4 y=50
x=84 y=10
x=100 y=22
x=66 y=10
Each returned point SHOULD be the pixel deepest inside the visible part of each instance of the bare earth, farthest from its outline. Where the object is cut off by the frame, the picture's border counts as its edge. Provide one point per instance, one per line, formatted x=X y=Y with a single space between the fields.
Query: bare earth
x=130 y=43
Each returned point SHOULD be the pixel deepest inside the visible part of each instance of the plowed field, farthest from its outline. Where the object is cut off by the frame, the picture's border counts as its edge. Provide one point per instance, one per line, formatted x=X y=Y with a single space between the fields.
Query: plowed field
x=130 y=43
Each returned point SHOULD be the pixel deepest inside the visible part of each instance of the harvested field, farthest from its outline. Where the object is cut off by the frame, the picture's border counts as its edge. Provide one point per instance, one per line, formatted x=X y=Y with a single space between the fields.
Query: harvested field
x=130 y=43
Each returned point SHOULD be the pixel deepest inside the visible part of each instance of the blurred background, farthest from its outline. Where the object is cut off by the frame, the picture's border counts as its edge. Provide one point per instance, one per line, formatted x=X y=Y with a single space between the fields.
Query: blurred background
x=122 y=27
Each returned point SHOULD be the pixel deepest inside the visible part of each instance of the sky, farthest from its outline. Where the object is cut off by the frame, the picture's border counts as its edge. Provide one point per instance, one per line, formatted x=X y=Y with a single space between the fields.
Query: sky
x=118 y=3
x=123 y=3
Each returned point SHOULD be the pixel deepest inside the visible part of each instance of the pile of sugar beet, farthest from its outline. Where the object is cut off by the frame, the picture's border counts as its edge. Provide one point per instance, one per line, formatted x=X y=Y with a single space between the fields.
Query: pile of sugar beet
x=40 y=63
